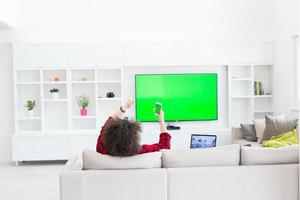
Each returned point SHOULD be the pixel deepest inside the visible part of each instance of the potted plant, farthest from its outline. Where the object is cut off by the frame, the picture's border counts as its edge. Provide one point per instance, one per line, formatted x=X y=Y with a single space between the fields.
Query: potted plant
x=30 y=106
x=55 y=93
x=83 y=102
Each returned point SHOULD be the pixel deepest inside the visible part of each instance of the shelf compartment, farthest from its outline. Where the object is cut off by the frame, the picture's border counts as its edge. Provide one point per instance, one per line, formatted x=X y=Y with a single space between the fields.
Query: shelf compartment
x=83 y=89
x=24 y=76
x=30 y=125
x=240 y=111
x=62 y=91
x=106 y=74
x=26 y=93
x=79 y=74
x=263 y=74
x=84 y=123
x=240 y=72
x=243 y=88
x=263 y=104
x=49 y=75
x=56 y=116
x=104 y=88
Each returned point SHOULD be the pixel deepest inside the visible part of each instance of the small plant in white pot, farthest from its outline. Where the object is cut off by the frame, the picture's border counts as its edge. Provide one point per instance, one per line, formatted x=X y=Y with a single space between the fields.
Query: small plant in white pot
x=83 y=102
x=54 y=93
x=30 y=106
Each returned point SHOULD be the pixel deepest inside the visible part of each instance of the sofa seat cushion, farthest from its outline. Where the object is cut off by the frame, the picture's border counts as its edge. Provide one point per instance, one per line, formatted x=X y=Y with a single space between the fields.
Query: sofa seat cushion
x=269 y=156
x=243 y=142
x=218 y=156
x=96 y=161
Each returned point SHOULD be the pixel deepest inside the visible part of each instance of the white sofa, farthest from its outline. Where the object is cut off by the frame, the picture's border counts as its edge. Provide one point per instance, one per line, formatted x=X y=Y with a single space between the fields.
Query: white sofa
x=210 y=174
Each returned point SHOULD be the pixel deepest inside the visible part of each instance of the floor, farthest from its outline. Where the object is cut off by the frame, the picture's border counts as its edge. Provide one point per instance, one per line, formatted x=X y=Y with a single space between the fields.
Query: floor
x=30 y=181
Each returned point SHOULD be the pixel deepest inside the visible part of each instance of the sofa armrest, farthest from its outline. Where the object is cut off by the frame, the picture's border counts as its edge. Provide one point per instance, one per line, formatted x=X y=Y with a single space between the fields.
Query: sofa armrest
x=236 y=134
x=74 y=163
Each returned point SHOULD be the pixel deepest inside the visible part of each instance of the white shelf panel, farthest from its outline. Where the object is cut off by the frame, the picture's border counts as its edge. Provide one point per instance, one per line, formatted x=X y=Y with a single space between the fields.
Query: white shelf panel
x=29 y=118
x=240 y=79
x=263 y=65
x=263 y=96
x=109 y=99
x=55 y=82
x=54 y=133
x=264 y=111
x=84 y=117
x=110 y=68
x=55 y=100
x=112 y=81
x=28 y=83
x=240 y=97
x=82 y=82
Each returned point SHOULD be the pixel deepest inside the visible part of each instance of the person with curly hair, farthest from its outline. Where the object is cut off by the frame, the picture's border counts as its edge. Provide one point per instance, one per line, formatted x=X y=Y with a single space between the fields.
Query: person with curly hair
x=121 y=137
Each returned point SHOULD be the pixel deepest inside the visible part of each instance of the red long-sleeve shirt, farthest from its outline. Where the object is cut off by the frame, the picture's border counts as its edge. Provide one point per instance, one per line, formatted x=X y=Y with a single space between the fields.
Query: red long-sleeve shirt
x=164 y=141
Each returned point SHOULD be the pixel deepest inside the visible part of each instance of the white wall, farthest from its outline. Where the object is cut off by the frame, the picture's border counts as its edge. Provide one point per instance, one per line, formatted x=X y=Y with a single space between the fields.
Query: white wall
x=286 y=23
x=8 y=12
x=6 y=101
x=143 y=20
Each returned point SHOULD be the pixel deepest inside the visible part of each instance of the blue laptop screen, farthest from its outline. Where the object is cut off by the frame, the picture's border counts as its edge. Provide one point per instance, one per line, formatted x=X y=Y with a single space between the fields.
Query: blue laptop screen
x=203 y=141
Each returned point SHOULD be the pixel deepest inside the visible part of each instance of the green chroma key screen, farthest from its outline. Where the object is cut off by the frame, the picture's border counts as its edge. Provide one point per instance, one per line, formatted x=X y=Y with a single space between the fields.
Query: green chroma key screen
x=184 y=97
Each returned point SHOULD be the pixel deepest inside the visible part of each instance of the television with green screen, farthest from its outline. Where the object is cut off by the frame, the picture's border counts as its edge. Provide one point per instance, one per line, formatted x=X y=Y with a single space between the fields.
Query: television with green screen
x=184 y=97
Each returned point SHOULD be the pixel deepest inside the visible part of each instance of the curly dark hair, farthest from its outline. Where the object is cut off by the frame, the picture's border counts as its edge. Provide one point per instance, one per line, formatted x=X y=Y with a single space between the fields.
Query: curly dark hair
x=122 y=138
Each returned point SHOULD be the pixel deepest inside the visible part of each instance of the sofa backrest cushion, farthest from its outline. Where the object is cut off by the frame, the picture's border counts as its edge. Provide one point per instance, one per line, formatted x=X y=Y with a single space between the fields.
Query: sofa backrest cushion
x=218 y=156
x=269 y=156
x=96 y=161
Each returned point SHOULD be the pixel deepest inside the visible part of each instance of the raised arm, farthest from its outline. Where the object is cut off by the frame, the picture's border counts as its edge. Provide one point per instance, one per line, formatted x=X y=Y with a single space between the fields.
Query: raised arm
x=164 y=138
x=119 y=113
x=161 y=120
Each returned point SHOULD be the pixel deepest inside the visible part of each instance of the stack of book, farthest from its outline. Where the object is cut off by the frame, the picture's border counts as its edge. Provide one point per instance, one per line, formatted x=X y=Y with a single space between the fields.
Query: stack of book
x=258 y=88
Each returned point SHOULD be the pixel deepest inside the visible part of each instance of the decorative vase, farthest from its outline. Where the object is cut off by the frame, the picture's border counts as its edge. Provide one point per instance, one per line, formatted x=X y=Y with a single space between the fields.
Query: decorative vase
x=83 y=112
x=55 y=95
x=30 y=113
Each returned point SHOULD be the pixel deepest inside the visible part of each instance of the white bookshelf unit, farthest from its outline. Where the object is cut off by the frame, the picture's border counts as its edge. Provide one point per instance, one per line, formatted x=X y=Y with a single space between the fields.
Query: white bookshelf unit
x=63 y=113
x=244 y=105
x=59 y=118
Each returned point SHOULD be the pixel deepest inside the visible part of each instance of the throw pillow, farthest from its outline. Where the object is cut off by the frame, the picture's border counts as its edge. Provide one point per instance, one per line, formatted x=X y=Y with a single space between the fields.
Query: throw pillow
x=282 y=140
x=276 y=126
x=248 y=131
x=260 y=126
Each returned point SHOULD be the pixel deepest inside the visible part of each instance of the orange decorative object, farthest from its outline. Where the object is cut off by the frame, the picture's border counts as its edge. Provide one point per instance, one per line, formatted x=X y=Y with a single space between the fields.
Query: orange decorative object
x=56 y=78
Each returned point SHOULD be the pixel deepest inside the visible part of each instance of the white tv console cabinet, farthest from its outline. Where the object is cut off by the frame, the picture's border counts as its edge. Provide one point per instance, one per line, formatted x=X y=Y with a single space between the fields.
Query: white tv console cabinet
x=57 y=131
